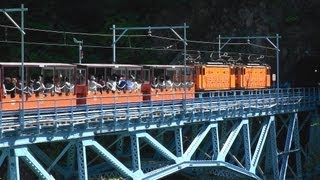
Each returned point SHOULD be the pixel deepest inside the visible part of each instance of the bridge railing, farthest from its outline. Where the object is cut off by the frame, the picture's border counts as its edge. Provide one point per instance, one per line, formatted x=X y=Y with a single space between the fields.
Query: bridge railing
x=233 y=103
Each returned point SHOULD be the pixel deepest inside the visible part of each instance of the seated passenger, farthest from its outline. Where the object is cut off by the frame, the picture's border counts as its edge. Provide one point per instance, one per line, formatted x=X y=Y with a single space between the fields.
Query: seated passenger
x=48 y=87
x=93 y=85
x=168 y=84
x=67 y=86
x=37 y=86
x=102 y=82
x=122 y=83
x=129 y=83
x=154 y=83
x=57 y=85
x=162 y=83
x=112 y=84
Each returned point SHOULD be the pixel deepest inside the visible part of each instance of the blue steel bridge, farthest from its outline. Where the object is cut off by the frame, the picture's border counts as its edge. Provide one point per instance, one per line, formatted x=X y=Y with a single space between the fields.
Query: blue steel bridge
x=250 y=134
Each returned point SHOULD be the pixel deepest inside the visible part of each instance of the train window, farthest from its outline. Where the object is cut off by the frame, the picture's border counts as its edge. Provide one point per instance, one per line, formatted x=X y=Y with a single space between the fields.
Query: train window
x=81 y=76
x=268 y=71
x=146 y=75
x=233 y=71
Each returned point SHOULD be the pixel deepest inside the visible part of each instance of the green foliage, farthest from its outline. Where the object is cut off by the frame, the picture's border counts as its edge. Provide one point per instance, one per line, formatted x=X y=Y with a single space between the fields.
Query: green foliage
x=292 y=19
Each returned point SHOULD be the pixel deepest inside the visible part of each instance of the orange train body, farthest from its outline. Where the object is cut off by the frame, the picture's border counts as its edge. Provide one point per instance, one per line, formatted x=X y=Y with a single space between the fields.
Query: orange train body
x=171 y=84
x=226 y=77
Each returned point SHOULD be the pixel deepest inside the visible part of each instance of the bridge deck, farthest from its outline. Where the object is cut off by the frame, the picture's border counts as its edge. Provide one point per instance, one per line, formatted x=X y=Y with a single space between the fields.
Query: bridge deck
x=213 y=106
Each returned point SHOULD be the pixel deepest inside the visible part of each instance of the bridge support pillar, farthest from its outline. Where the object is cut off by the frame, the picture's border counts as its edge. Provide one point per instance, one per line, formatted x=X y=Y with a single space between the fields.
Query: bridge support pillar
x=292 y=137
x=179 y=141
x=13 y=163
x=135 y=153
x=82 y=161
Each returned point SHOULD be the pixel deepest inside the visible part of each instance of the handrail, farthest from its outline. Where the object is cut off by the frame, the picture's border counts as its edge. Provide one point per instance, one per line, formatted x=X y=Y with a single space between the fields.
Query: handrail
x=224 y=104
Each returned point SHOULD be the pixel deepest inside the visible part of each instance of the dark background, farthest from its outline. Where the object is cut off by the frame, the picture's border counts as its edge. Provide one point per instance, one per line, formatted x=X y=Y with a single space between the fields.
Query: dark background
x=296 y=21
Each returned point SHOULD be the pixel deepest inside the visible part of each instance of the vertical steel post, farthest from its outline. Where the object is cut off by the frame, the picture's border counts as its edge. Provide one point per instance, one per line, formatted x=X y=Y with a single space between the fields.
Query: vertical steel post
x=80 y=53
x=114 y=44
x=179 y=141
x=13 y=163
x=278 y=78
x=22 y=67
x=219 y=46
x=185 y=59
x=82 y=161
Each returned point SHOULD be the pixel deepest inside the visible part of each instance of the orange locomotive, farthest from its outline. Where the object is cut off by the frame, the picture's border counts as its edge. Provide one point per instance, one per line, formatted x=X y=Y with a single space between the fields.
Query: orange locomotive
x=225 y=77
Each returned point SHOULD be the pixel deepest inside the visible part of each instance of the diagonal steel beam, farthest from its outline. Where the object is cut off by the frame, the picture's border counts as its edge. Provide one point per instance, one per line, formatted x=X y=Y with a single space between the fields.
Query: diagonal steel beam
x=260 y=144
x=106 y=155
x=4 y=154
x=197 y=141
x=157 y=146
x=285 y=157
x=28 y=158
x=232 y=137
x=82 y=161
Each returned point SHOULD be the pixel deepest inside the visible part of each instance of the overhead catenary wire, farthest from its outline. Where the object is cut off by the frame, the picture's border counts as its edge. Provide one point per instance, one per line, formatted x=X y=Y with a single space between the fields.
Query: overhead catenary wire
x=65 y=44
x=127 y=47
x=110 y=35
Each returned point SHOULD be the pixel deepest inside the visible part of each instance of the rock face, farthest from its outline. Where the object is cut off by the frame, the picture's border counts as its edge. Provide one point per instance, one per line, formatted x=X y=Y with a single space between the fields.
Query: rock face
x=295 y=20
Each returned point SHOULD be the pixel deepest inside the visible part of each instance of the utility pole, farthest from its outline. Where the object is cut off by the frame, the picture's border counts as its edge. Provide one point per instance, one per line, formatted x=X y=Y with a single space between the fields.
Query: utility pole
x=80 y=43
x=21 y=29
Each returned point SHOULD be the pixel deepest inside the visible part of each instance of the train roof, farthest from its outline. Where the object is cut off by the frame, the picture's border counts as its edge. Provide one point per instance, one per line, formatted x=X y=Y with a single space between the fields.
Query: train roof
x=166 y=66
x=109 y=65
x=35 y=64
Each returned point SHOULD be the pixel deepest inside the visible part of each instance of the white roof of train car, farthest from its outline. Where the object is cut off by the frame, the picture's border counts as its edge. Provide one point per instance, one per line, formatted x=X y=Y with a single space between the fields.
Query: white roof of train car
x=110 y=65
x=36 y=64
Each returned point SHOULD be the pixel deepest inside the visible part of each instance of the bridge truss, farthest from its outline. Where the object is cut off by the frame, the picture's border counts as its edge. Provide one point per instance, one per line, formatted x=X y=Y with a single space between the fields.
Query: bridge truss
x=232 y=134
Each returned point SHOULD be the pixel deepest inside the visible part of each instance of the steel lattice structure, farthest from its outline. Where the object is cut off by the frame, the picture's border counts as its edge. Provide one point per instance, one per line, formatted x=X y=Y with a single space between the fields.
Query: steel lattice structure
x=234 y=134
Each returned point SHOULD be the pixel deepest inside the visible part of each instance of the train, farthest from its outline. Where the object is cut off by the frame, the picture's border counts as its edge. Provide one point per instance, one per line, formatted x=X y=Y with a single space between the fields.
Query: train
x=50 y=85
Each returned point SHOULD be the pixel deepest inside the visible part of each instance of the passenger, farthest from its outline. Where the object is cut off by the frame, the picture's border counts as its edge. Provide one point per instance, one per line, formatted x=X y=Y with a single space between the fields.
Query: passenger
x=6 y=86
x=14 y=85
x=37 y=86
x=161 y=83
x=169 y=83
x=154 y=83
x=129 y=83
x=102 y=82
x=49 y=87
x=67 y=86
x=11 y=88
x=18 y=86
x=122 y=83
x=135 y=84
x=57 y=85
x=112 y=84
x=93 y=85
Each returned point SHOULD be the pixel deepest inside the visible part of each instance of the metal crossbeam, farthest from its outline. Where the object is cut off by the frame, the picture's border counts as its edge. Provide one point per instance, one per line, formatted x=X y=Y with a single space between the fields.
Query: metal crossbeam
x=285 y=157
x=28 y=158
x=159 y=147
x=262 y=139
x=247 y=143
x=44 y=158
x=82 y=161
x=197 y=141
x=13 y=163
x=229 y=142
x=109 y=157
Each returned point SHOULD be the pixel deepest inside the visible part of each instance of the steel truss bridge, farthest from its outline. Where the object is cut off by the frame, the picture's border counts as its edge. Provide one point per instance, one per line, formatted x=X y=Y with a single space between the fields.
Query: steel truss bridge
x=255 y=134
